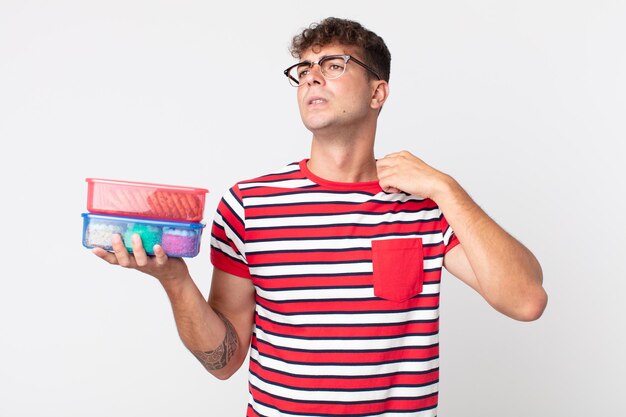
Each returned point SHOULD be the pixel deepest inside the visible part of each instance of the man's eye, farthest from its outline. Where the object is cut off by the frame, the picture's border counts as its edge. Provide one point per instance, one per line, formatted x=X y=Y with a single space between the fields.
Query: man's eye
x=333 y=66
x=303 y=72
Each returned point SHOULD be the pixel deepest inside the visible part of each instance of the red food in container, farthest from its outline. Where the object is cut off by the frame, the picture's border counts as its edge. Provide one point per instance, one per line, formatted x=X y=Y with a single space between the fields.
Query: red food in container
x=147 y=200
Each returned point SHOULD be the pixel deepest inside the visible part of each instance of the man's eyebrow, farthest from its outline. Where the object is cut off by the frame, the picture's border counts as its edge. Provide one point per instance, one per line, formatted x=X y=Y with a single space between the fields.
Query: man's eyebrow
x=308 y=61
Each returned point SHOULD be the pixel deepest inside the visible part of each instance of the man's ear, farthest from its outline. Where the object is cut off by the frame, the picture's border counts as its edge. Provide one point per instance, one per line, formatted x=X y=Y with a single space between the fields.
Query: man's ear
x=379 y=94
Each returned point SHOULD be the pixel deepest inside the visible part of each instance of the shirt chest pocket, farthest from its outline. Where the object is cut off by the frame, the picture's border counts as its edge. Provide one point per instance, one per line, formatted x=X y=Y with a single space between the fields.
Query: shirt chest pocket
x=398 y=268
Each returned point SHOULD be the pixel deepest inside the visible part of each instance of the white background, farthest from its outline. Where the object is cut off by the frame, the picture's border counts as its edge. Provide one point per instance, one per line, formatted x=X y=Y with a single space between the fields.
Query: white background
x=523 y=102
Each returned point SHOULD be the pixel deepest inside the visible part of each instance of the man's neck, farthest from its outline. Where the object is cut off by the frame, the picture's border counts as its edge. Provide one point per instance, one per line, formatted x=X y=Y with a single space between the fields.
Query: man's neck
x=343 y=160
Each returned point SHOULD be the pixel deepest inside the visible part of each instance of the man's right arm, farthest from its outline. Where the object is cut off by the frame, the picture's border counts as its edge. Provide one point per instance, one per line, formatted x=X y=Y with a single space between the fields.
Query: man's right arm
x=217 y=332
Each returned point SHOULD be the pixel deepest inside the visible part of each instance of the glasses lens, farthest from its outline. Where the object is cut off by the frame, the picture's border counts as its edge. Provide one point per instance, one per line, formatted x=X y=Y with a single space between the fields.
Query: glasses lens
x=298 y=72
x=333 y=67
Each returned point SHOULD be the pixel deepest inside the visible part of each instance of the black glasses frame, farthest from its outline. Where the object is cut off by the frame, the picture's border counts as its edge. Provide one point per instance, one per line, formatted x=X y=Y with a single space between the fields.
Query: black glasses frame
x=296 y=83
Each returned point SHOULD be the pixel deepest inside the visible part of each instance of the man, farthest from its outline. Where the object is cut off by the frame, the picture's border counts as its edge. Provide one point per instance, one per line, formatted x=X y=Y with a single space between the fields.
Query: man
x=329 y=268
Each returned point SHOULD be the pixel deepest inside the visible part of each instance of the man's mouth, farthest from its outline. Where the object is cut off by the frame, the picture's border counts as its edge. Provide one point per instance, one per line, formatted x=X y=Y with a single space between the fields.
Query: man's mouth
x=316 y=100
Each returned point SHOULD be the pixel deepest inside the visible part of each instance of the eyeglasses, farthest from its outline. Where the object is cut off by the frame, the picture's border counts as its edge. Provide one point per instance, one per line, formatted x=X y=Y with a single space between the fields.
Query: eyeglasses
x=331 y=66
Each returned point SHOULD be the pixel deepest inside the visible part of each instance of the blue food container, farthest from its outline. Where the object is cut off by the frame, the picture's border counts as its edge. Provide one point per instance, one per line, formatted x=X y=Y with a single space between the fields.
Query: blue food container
x=178 y=239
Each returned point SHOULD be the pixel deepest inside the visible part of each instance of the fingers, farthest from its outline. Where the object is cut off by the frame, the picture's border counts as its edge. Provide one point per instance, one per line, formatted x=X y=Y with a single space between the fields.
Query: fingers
x=121 y=253
x=156 y=265
x=389 y=189
x=160 y=256
x=141 y=258
x=384 y=162
x=394 y=154
x=103 y=254
x=119 y=256
x=387 y=170
x=401 y=172
x=399 y=154
x=391 y=160
x=386 y=178
x=384 y=171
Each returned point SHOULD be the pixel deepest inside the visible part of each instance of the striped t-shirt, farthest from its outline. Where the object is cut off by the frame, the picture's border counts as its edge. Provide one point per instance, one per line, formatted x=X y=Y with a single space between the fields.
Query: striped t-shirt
x=347 y=293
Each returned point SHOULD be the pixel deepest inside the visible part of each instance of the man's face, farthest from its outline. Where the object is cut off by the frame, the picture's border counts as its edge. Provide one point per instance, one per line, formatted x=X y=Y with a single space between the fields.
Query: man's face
x=341 y=102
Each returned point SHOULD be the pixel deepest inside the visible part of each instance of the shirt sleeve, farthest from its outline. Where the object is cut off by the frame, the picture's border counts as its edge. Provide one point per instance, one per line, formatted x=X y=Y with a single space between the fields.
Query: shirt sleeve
x=449 y=238
x=228 y=235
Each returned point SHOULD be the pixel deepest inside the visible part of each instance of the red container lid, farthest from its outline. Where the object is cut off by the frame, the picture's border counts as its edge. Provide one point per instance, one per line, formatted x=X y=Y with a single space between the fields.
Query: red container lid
x=147 y=200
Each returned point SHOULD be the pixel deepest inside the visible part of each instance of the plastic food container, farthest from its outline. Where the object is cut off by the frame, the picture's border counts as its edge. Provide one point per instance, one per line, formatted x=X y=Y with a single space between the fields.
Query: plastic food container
x=178 y=239
x=146 y=200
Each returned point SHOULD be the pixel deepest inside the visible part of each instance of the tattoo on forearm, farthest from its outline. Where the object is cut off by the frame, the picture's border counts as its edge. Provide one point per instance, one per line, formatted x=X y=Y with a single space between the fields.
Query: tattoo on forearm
x=219 y=358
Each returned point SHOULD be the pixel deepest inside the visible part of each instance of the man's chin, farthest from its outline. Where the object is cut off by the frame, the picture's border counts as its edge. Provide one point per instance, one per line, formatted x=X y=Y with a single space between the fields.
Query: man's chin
x=315 y=124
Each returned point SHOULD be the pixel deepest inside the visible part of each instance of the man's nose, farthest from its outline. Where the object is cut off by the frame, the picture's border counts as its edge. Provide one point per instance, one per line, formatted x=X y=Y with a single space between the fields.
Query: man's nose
x=315 y=75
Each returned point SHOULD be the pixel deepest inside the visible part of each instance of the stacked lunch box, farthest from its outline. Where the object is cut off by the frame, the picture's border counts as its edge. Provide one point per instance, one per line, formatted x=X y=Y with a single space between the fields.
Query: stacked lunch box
x=167 y=215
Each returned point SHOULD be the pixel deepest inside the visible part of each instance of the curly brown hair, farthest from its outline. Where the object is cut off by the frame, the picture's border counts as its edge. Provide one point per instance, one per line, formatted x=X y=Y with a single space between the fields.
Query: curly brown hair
x=349 y=33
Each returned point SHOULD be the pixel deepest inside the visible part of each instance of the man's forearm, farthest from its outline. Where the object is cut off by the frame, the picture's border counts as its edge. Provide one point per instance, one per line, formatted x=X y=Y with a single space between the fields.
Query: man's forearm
x=218 y=359
x=508 y=274
x=205 y=332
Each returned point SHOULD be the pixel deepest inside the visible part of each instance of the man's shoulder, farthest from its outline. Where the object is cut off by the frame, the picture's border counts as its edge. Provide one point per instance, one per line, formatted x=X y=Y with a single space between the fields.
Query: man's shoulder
x=287 y=176
x=287 y=170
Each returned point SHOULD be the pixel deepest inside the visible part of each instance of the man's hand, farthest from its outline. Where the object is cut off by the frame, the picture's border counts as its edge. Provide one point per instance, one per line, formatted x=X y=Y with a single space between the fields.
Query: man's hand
x=159 y=266
x=403 y=171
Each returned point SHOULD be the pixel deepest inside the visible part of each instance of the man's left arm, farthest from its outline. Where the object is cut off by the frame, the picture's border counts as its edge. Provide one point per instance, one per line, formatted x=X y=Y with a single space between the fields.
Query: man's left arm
x=490 y=260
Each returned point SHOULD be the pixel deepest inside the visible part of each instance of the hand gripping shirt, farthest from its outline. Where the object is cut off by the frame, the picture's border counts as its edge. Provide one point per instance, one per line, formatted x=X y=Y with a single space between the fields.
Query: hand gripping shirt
x=347 y=293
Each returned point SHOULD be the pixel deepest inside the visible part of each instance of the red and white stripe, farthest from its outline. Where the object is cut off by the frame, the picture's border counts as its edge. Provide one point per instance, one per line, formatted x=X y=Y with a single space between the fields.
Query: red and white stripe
x=323 y=343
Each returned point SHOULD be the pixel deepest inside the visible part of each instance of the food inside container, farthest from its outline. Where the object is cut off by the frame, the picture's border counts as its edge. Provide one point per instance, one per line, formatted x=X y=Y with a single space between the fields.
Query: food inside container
x=178 y=239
